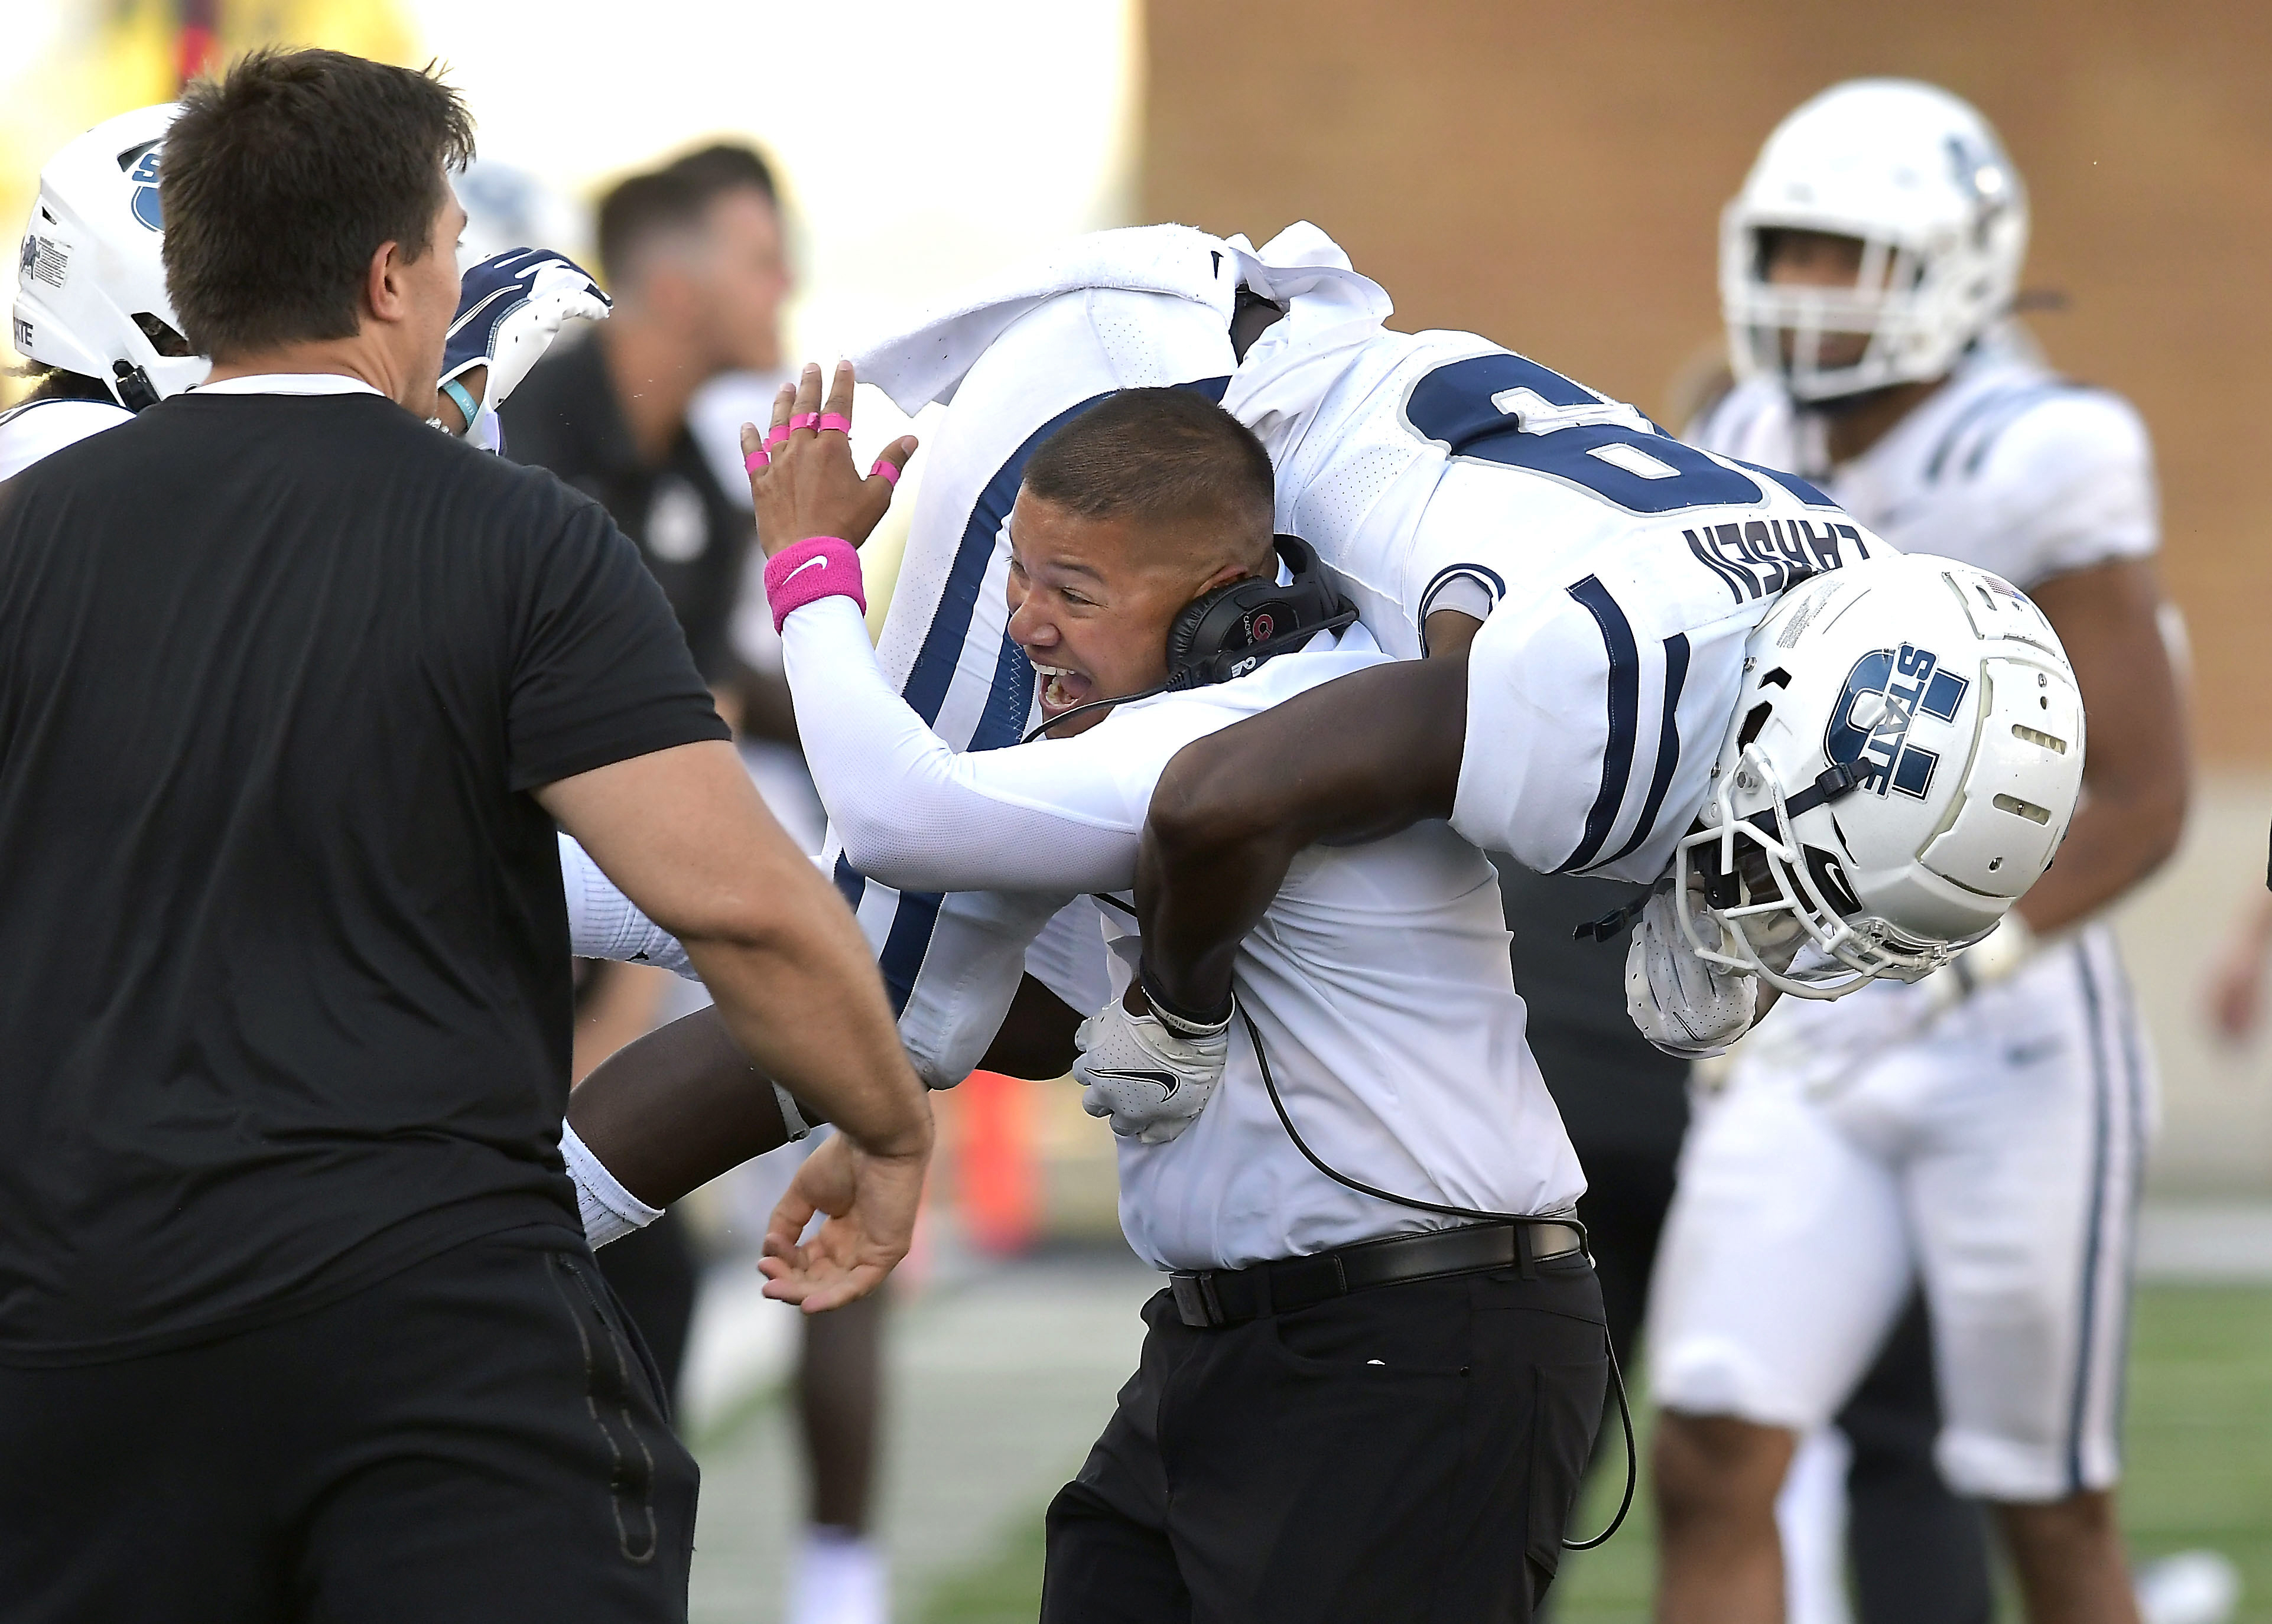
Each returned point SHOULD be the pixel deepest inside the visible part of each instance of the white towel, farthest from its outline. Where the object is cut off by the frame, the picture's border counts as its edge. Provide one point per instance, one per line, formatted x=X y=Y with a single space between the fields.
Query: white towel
x=1301 y=265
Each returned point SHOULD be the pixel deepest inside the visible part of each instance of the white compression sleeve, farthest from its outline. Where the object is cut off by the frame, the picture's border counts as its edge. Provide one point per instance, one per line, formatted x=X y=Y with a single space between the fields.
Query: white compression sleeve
x=914 y=814
x=610 y=1211
x=603 y=923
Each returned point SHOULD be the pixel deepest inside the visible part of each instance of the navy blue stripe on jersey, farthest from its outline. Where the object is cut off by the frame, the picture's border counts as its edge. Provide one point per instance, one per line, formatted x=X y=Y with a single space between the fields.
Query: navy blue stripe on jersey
x=2087 y=1316
x=1009 y=696
x=1491 y=581
x=2019 y=408
x=1668 y=744
x=1808 y=494
x=1624 y=719
x=851 y=884
x=1997 y=409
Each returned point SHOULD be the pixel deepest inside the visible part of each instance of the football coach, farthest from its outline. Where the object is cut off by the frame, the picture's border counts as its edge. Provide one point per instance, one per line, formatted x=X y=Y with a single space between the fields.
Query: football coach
x=297 y=1321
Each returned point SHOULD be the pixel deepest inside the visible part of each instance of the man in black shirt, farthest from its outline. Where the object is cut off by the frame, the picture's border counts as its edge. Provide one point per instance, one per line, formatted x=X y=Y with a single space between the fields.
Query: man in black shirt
x=692 y=253
x=297 y=1317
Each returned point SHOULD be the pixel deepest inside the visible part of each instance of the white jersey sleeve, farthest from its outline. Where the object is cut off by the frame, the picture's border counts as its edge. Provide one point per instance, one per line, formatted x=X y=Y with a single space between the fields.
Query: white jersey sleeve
x=39 y=428
x=603 y=923
x=1059 y=817
x=1595 y=712
x=2071 y=480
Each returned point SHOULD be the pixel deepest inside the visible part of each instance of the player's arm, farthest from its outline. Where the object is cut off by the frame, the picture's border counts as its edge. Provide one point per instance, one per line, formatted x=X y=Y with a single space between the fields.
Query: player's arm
x=1351 y=760
x=682 y=832
x=2136 y=764
x=682 y=1105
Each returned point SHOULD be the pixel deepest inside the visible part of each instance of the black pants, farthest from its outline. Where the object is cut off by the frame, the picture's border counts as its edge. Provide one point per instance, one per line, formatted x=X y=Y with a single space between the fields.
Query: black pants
x=653 y=1275
x=475 y=1439
x=1409 y=1452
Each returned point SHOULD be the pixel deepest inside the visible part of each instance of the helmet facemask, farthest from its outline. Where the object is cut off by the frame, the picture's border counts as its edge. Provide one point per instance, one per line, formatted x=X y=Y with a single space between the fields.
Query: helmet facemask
x=1751 y=900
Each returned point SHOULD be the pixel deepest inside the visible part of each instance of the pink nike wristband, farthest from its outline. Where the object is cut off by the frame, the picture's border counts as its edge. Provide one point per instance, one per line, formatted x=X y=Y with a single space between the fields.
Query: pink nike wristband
x=818 y=567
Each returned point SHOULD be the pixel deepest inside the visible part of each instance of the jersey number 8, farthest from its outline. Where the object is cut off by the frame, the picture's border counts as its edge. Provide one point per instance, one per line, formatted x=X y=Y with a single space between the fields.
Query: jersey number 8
x=1509 y=409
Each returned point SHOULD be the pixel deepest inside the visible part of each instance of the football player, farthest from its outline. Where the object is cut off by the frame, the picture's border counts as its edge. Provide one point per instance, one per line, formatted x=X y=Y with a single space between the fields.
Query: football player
x=1982 y=1130
x=93 y=316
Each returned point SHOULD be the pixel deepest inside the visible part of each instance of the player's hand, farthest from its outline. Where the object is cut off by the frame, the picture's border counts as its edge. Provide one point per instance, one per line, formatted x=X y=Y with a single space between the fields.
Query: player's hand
x=802 y=479
x=511 y=306
x=871 y=1202
x=1149 y=1079
x=1682 y=1004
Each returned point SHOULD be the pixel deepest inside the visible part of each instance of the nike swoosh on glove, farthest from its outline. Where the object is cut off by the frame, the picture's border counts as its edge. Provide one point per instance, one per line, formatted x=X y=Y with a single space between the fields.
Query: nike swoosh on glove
x=1148 y=1080
x=1680 y=1003
x=511 y=306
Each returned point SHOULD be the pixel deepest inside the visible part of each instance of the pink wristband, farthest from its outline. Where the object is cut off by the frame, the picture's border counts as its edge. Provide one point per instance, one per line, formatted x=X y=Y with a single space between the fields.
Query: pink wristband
x=834 y=422
x=803 y=419
x=757 y=459
x=818 y=567
x=777 y=436
x=884 y=466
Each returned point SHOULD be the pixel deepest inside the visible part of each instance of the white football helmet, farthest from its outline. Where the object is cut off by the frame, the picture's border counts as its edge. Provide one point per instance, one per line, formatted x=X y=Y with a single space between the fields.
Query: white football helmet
x=1905 y=757
x=90 y=287
x=1921 y=179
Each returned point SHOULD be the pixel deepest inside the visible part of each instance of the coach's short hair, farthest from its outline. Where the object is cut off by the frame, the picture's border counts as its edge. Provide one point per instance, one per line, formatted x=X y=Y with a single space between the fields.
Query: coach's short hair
x=1160 y=455
x=283 y=178
x=674 y=198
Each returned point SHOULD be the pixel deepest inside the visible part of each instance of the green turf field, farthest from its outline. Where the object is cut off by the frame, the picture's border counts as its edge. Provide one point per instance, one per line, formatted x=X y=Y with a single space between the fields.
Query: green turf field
x=2200 y=1473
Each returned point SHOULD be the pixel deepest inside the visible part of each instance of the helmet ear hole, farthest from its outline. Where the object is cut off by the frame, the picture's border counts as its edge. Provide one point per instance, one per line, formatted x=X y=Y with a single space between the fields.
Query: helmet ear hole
x=1754 y=720
x=161 y=335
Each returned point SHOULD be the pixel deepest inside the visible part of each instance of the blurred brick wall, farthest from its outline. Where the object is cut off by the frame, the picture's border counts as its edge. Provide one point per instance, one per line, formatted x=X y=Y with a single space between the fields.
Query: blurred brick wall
x=1552 y=177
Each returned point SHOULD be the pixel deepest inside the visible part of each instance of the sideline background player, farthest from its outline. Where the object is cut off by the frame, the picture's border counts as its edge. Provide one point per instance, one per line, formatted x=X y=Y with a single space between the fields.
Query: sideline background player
x=1987 y=1127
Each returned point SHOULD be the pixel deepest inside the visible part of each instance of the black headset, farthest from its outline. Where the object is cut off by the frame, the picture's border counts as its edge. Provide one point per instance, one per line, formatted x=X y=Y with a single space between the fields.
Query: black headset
x=1229 y=631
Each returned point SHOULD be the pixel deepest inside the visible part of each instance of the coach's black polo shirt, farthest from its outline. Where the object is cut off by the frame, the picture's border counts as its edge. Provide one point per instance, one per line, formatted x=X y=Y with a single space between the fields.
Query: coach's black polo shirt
x=285 y=1004
x=564 y=416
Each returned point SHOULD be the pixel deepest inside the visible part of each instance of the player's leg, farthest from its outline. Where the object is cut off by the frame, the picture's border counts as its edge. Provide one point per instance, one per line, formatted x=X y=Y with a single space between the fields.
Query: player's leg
x=1783 y=1262
x=1918 y=1549
x=497 y=1449
x=840 y=1575
x=2024 y=1207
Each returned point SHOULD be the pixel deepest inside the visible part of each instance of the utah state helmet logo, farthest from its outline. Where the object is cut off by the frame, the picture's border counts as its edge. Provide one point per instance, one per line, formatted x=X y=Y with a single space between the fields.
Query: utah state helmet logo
x=145 y=205
x=1870 y=725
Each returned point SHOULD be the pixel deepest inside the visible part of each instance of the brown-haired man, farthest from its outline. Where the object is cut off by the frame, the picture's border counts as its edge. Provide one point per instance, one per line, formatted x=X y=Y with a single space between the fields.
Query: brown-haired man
x=296 y=1319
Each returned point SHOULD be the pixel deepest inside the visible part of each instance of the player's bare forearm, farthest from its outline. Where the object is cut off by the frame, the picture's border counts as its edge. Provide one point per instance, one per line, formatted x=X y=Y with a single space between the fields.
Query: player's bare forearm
x=683 y=832
x=1353 y=760
x=670 y=1113
x=2137 y=768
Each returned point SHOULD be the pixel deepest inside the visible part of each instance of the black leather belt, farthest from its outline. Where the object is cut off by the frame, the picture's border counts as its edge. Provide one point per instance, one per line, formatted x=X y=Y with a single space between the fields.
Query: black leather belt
x=1231 y=1296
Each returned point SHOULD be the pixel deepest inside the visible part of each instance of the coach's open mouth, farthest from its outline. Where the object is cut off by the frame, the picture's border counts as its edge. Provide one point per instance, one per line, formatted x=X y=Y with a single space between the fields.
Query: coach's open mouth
x=1062 y=688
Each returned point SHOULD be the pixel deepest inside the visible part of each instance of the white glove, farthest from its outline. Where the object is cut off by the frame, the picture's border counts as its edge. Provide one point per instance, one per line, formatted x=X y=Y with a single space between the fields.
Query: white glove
x=1680 y=1003
x=1149 y=1078
x=511 y=308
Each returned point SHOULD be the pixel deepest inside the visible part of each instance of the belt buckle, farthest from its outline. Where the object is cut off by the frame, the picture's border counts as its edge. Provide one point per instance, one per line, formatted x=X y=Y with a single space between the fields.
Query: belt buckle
x=1195 y=1300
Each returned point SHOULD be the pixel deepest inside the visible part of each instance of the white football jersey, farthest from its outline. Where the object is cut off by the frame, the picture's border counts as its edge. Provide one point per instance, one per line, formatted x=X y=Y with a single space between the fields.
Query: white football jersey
x=2008 y=466
x=39 y=428
x=1617 y=570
